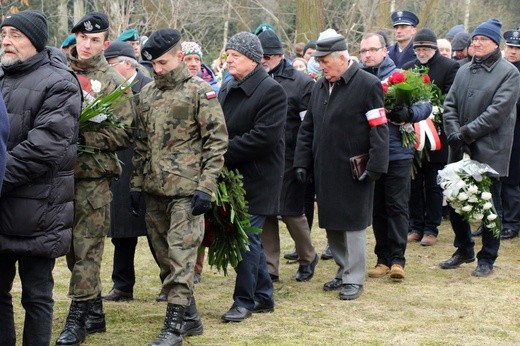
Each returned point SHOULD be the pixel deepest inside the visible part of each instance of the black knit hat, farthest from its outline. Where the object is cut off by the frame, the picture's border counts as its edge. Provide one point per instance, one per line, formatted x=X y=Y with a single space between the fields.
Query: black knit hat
x=32 y=24
x=92 y=23
x=159 y=43
x=271 y=43
x=425 y=38
x=248 y=44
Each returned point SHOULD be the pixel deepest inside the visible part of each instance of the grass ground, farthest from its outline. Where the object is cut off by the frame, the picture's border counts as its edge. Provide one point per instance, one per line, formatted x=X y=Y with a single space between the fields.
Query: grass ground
x=430 y=307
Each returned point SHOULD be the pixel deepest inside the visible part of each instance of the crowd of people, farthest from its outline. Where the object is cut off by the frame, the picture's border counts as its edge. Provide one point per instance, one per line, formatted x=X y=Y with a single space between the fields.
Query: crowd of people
x=290 y=125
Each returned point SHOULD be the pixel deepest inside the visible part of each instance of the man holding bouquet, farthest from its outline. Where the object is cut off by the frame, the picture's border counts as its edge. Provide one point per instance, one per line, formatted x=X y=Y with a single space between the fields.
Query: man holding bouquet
x=479 y=118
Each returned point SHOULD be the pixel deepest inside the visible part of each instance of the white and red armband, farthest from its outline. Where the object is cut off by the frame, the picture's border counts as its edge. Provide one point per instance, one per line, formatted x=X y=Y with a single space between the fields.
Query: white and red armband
x=376 y=117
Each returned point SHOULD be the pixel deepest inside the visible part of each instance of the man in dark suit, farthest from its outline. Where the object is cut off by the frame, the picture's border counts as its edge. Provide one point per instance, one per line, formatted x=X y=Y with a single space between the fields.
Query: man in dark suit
x=125 y=226
x=404 y=23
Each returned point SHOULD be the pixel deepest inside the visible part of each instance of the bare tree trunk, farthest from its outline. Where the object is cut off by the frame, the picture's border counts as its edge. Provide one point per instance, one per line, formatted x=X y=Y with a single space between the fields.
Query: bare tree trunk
x=79 y=10
x=466 y=14
x=63 y=29
x=310 y=19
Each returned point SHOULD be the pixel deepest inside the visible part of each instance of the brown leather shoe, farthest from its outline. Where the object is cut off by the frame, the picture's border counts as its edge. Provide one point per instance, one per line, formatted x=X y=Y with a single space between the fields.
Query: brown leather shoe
x=378 y=271
x=413 y=237
x=116 y=295
x=428 y=240
x=397 y=272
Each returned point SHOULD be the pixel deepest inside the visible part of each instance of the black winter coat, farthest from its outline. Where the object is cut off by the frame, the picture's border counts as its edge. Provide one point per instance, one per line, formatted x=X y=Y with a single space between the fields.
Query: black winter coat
x=335 y=129
x=255 y=110
x=122 y=223
x=442 y=73
x=43 y=98
x=298 y=87
x=514 y=164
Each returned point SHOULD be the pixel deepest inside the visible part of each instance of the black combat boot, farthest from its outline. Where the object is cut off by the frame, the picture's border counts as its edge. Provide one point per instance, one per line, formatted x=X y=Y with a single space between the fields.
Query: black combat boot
x=95 y=322
x=171 y=332
x=192 y=323
x=74 y=332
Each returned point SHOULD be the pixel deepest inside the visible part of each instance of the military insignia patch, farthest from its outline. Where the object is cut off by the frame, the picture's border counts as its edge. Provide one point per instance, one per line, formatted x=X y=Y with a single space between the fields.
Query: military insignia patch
x=88 y=26
x=211 y=95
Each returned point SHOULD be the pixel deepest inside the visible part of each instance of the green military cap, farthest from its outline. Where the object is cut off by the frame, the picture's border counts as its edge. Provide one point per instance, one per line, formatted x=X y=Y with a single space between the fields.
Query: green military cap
x=129 y=35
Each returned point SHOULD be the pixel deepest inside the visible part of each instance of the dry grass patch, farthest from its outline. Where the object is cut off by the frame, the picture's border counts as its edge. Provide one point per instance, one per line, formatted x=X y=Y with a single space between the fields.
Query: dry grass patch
x=431 y=307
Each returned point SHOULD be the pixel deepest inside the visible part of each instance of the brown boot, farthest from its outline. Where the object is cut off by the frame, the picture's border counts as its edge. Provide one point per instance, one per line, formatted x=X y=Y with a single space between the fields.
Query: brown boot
x=378 y=271
x=428 y=240
x=397 y=272
x=413 y=237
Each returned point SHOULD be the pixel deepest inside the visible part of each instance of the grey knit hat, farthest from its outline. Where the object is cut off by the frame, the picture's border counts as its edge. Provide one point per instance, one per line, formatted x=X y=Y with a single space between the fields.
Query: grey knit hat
x=33 y=24
x=248 y=44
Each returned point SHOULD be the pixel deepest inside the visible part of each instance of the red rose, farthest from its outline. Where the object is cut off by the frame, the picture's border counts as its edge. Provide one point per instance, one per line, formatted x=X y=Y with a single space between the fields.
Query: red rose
x=385 y=87
x=396 y=78
x=426 y=78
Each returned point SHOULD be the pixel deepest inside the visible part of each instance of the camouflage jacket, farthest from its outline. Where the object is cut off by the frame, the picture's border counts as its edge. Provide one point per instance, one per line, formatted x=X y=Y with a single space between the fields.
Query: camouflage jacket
x=181 y=137
x=107 y=140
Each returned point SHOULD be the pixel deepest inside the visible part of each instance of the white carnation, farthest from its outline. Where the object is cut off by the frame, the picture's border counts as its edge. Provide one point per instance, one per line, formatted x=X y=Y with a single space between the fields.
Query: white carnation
x=95 y=85
x=486 y=196
x=478 y=216
x=467 y=208
x=487 y=205
x=473 y=199
x=462 y=196
x=491 y=217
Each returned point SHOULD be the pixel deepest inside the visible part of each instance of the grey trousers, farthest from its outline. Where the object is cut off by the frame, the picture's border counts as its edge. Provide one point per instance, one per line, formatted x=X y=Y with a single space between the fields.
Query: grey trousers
x=301 y=234
x=349 y=252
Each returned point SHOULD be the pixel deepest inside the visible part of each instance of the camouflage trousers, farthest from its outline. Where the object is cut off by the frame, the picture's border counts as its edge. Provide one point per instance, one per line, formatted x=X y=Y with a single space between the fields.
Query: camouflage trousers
x=91 y=223
x=176 y=236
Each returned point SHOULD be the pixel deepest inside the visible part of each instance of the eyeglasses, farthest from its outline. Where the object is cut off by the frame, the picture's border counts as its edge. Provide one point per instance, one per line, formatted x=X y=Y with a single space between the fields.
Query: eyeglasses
x=371 y=50
x=116 y=63
x=480 y=39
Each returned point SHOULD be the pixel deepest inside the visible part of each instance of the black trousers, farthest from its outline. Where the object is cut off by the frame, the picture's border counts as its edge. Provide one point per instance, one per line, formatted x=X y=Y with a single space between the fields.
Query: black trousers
x=37 y=284
x=463 y=240
x=390 y=215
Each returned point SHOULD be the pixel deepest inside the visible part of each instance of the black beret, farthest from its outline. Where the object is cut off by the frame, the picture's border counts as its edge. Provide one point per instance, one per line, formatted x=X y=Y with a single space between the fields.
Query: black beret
x=92 y=22
x=159 y=43
x=118 y=48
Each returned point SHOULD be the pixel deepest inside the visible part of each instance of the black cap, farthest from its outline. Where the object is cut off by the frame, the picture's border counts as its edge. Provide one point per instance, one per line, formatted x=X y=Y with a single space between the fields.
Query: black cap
x=159 y=43
x=329 y=45
x=118 y=48
x=512 y=38
x=310 y=44
x=33 y=24
x=460 y=41
x=425 y=38
x=271 y=43
x=404 y=18
x=92 y=22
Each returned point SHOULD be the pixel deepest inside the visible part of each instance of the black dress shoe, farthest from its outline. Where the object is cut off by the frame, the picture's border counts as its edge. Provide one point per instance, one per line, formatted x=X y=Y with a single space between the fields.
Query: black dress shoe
x=116 y=295
x=508 y=233
x=335 y=284
x=274 y=278
x=455 y=261
x=482 y=270
x=326 y=254
x=263 y=307
x=478 y=232
x=350 y=291
x=306 y=272
x=291 y=256
x=236 y=314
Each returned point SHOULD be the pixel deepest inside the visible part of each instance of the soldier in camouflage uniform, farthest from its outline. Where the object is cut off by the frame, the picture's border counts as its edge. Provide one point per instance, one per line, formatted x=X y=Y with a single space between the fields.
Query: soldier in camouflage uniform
x=180 y=146
x=93 y=174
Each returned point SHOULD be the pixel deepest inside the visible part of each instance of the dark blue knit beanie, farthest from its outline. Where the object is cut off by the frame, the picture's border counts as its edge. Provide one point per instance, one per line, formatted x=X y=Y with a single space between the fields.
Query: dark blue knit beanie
x=491 y=29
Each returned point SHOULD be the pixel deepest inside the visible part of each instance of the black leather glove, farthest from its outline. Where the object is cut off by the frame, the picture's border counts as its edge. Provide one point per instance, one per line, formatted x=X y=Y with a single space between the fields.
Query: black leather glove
x=200 y=203
x=399 y=115
x=455 y=141
x=135 y=202
x=369 y=176
x=301 y=174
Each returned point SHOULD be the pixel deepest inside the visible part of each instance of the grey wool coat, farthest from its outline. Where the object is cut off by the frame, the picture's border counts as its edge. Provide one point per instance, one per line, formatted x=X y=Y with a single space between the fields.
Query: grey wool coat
x=335 y=128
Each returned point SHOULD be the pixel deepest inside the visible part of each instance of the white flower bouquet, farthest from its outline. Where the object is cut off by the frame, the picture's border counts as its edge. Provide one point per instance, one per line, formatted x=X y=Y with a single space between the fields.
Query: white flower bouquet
x=466 y=186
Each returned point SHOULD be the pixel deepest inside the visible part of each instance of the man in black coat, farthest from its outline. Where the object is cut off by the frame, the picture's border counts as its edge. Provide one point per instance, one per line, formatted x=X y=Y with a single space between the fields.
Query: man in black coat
x=298 y=87
x=426 y=195
x=125 y=224
x=345 y=118
x=511 y=184
x=43 y=100
x=255 y=107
